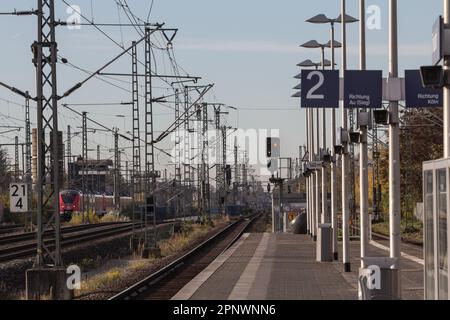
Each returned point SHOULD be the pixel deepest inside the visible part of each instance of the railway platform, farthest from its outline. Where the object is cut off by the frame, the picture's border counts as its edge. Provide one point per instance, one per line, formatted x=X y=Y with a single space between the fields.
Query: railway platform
x=284 y=267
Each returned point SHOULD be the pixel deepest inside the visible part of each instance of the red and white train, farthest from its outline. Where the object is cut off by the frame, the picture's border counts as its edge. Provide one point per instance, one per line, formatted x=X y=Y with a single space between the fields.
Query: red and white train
x=71 y=201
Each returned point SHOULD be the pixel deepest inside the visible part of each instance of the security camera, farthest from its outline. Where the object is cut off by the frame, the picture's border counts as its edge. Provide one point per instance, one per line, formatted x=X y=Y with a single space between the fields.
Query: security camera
x=339 y=150
x=432 y=77
x=381 y=116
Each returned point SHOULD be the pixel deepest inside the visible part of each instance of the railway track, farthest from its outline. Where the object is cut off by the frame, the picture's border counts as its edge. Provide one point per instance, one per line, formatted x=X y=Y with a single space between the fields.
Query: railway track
x=70 y=236
x=10 y=229
x=166 y=282
x=383 y=237
x=8 y=239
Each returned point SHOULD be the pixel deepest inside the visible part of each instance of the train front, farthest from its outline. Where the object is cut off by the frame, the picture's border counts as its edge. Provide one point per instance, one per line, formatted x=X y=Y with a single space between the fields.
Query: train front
x=69 y=204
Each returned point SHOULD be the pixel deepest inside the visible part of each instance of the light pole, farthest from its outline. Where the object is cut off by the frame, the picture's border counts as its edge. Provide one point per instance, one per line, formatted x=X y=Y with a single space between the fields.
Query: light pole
x=323 y=19
x=363 y=152
x=394 y=152
x=325 y=217
x=313 y=44
x=345 y=158
x=446 y=90
x=310 y=181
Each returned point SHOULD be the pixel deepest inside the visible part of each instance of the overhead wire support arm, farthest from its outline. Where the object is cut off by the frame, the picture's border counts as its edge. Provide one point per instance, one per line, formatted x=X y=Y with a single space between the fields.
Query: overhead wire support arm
x=109 y=129
x=97 y=73
x=153 y=76
x=175 y=126
x=64 y=23
x=20 y=13
x=26 y=95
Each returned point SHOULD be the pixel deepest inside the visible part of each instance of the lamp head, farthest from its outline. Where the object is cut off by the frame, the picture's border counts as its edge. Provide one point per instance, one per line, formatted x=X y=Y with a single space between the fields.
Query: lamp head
x=320 y=18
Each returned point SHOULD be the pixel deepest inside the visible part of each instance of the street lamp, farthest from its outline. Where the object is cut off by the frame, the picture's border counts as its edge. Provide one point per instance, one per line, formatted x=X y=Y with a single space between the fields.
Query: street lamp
x=313 y=44
x=323 y=19
x=309 y=64
x=310 y=143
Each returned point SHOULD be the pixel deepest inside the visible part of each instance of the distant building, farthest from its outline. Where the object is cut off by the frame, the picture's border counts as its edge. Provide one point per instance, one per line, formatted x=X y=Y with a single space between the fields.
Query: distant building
x=95 y=173
x=49 y=160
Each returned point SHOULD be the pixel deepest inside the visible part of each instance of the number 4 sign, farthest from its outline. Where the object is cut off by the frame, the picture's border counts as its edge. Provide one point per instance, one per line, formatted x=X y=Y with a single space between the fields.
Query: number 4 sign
x=18 y=197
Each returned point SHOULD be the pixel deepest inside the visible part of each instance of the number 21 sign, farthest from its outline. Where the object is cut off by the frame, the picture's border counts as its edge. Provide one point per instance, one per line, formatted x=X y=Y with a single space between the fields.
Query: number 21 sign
x=18 y=197
x=320 y=89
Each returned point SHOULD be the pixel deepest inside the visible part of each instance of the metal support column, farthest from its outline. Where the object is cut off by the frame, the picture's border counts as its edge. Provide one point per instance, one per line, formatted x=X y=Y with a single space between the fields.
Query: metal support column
x=16 y=158
x=334 y=207
x=220 y=178
x=363 y=155
x=224 y=167
x=394 y=141
x=324 y=216
x=85 y=168
x=236 y=173
x=199 y=148
x=307 y=179
x=45 y=59
x=150 y=236
x=116 y=171
x=318 y=212
x=313 y=176
x=69 y=156
x=345 y=156
x=206 y=196
x=136 y=176
x=186 y=157
x=28 y=164
x=446 y=89
x=177 y=160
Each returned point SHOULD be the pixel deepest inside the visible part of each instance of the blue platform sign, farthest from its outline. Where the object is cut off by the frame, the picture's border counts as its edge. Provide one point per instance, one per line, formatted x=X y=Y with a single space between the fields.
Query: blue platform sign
x=419 y=97
x=320 y=89
x=363 y=89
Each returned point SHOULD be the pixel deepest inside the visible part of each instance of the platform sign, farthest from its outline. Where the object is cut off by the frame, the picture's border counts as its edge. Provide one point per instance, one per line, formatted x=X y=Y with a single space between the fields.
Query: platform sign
x=292 y=216
x=320 y=89
x=363 y=89
x=417 y=96
x=18 y=197
x=315 y=165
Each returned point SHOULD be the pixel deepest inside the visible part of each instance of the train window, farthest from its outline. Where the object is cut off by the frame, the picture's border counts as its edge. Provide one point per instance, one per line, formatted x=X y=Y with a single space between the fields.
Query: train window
x=68 y=196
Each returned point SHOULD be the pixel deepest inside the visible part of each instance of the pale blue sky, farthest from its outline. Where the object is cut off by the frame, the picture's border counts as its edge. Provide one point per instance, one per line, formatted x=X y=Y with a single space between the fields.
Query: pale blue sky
x=248 y=48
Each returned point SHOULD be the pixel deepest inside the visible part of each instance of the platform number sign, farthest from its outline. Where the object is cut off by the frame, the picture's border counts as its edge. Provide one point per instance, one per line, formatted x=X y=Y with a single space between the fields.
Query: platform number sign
x=320 y=89
x=18 y=197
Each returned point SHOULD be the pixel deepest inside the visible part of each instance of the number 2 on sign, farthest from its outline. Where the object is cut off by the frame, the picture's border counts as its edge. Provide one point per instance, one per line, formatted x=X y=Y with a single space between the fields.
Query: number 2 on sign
x=311 y=93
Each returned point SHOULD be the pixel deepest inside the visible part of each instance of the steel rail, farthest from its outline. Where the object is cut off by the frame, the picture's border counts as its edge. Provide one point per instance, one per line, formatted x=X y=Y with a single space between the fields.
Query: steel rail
x=143 y=285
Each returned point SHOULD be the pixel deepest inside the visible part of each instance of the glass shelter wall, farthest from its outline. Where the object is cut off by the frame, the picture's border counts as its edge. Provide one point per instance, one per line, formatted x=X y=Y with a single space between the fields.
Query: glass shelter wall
x=436 y=196
x=442 y=234
x=429 y=235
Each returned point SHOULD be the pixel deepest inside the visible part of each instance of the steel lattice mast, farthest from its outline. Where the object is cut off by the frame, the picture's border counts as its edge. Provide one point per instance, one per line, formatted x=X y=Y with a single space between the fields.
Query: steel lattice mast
x=45 y=59
x=137 y=169
x=205 y=164
x=28 y=166
x=178 y=153
x=69 y=154
x=84 y=153
x=150 y=240
x=187 y=154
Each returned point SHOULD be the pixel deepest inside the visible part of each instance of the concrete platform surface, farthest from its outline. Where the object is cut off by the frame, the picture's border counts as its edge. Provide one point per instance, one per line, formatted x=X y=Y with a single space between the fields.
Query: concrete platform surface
x=283 y=267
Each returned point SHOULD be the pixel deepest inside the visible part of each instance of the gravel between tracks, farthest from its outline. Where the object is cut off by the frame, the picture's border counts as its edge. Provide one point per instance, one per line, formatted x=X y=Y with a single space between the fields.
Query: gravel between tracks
x=133 y=276
x=87 y=256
